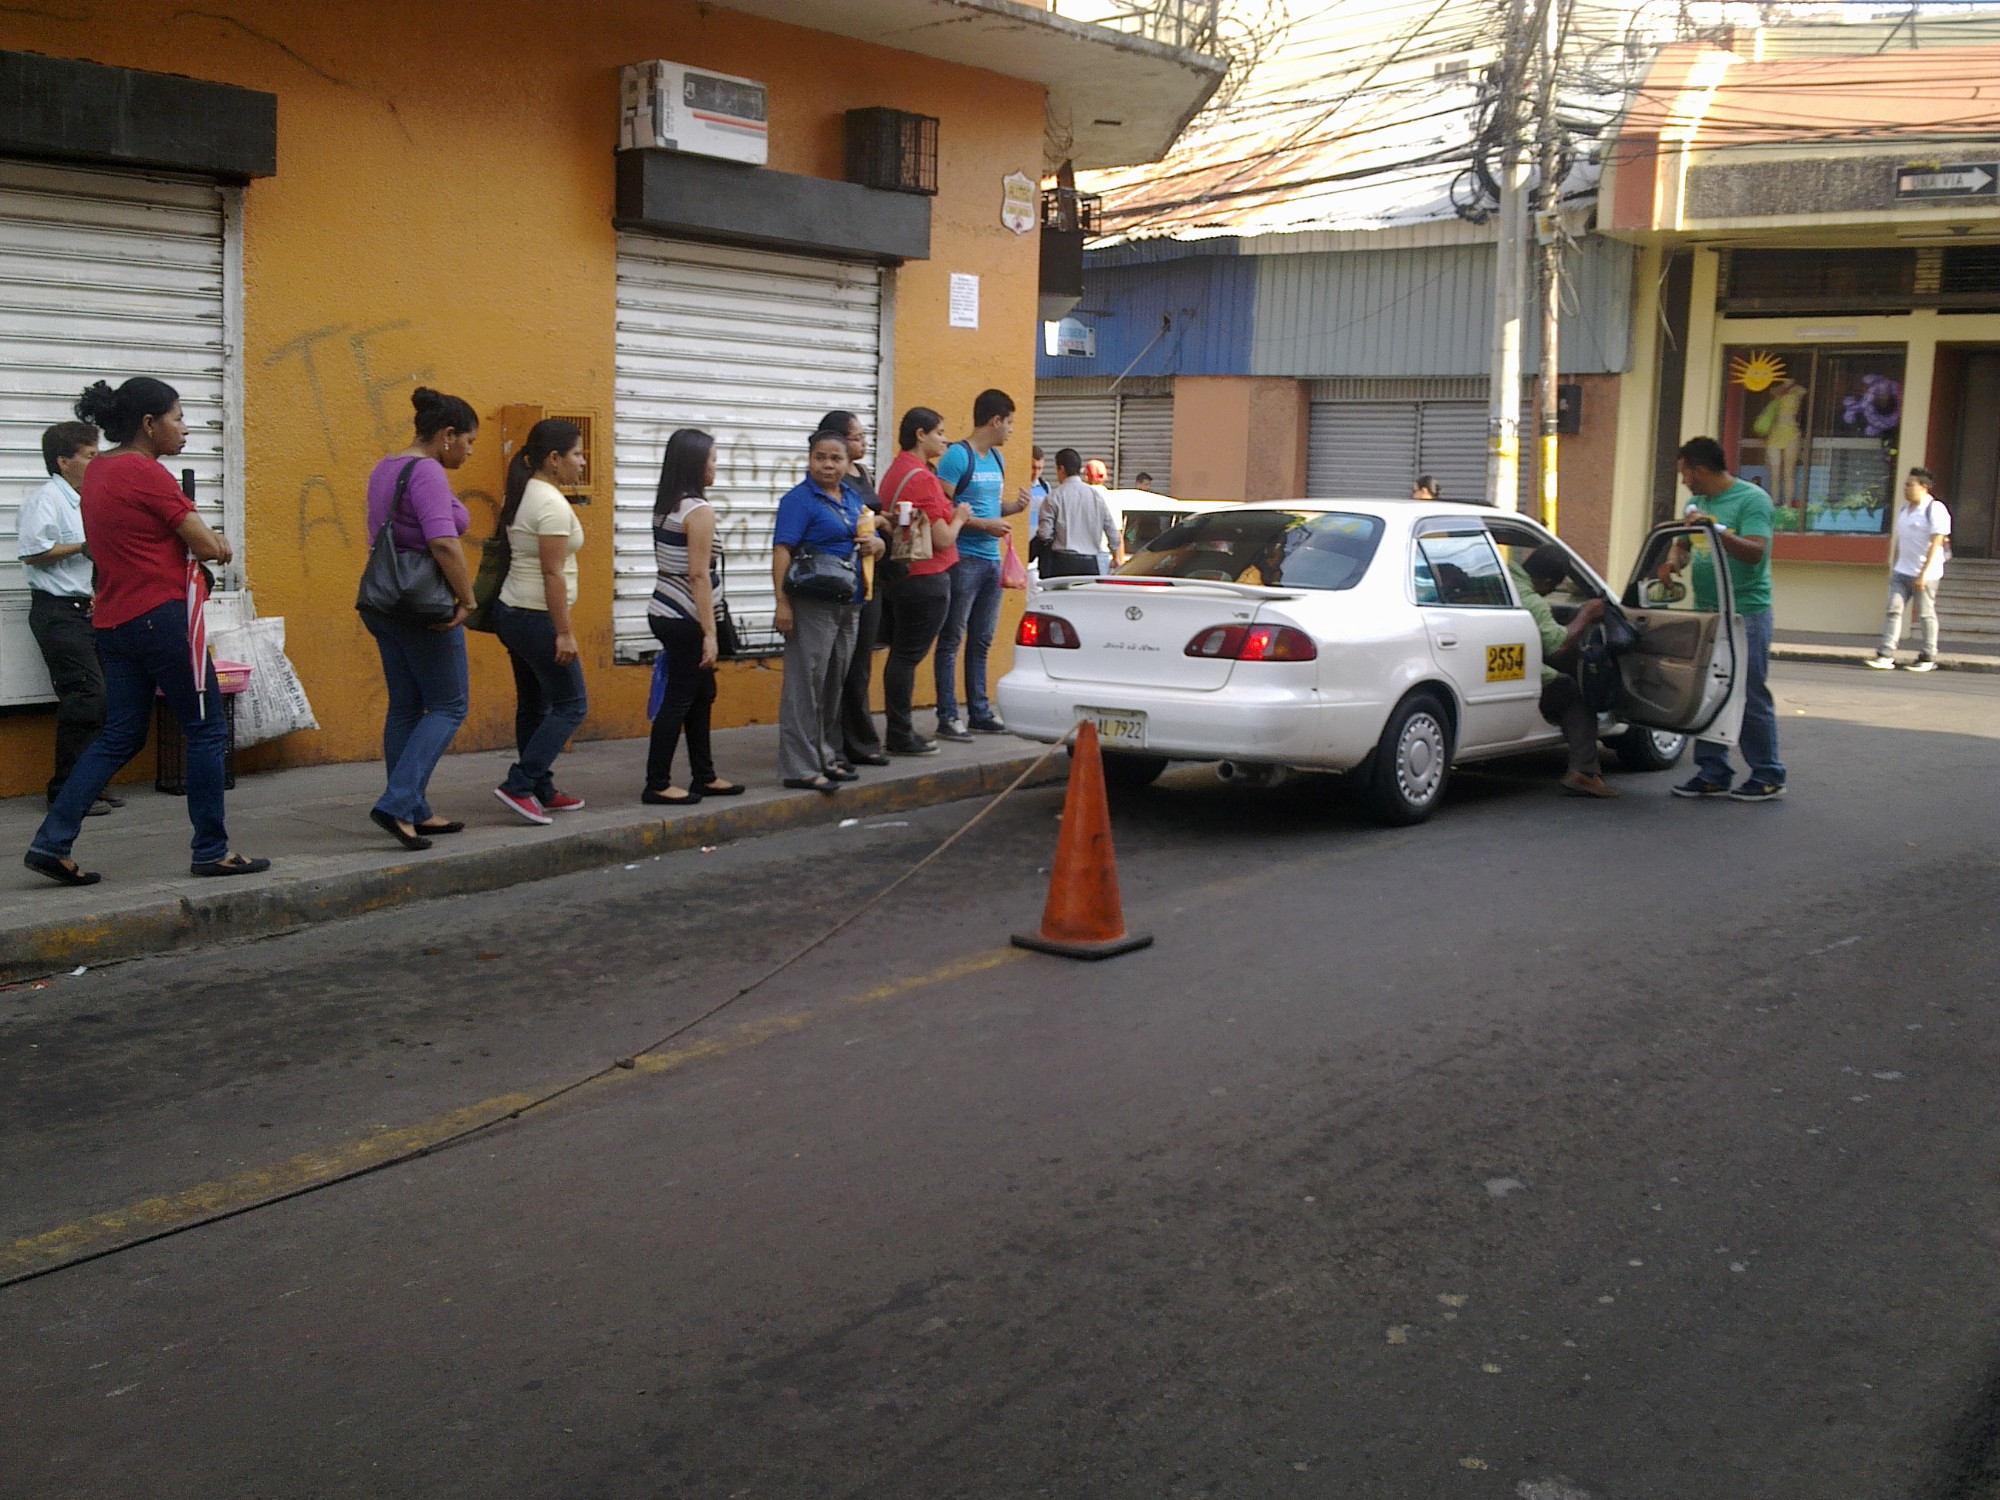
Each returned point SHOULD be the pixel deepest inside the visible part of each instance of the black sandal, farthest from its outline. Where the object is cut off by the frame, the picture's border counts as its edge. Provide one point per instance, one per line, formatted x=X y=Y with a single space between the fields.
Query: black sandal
x=812 y=784
x=233 y=864
x=394 y=829
x=61 y=871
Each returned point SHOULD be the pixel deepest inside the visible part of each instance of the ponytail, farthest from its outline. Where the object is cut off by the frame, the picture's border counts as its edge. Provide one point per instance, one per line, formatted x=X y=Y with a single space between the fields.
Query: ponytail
x=550 y=435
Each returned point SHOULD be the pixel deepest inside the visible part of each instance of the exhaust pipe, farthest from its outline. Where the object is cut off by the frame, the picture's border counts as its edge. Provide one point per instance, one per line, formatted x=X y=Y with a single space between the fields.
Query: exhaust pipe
x=1252 y=776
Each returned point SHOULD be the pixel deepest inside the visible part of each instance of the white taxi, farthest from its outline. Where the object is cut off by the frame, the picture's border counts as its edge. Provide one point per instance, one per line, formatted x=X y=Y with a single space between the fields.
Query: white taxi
x=1381 y=639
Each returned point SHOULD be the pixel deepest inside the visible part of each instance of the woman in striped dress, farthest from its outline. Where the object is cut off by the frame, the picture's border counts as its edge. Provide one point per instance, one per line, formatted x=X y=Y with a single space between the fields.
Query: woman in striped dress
x=686 y=595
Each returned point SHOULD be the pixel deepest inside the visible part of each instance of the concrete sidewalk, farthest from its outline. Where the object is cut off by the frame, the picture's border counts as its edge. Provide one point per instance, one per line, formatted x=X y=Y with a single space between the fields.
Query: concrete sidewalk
x=329 y=861
x=1853 y=650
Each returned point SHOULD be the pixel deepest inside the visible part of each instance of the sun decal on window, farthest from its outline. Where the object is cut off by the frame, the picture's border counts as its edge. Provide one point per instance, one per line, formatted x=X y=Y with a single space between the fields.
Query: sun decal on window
x=1759 y=372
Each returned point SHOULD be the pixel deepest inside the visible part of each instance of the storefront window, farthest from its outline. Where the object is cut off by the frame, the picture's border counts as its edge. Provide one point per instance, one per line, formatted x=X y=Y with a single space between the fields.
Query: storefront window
x=1818 y=426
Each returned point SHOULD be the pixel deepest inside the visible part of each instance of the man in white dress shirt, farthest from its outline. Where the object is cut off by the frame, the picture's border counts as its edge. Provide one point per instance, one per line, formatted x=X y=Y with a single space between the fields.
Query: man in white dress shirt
x=61 y=582
x=1074 y=517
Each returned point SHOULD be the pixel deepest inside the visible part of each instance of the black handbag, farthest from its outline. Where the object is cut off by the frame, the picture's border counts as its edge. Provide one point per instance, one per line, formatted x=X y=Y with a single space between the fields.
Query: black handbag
x=814 y=574
x=1620 y=634
x=820 y=575
x=399 y=585
x=728 y=639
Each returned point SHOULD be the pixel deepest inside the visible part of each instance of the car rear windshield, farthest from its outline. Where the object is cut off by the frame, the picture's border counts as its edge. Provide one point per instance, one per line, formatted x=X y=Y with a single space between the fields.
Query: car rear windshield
x=1293 y=549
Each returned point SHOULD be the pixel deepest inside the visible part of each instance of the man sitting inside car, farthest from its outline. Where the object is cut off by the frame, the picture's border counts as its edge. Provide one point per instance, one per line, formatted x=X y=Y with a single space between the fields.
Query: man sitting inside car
x=1562 y=703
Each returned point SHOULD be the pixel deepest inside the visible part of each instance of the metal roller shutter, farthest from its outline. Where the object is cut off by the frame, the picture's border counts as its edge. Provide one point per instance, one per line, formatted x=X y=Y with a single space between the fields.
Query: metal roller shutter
x=751 y=346
x=102 y=276
x=1088 y=424
x=1451 y=447
x=1145 y=442
x=1361 y=450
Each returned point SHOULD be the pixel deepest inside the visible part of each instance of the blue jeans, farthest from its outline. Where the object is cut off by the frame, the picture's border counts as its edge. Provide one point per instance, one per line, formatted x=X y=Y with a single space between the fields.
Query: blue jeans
x=971 y=621
x=428 y=698
x=549 y=701
x=142 y=657
x=1759 y=741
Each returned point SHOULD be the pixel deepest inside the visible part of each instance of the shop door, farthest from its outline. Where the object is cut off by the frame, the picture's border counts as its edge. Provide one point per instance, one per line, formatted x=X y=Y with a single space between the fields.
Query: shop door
x=1145 y=443
x=752 y=347
x=1975 y=498
x=1451 y=448
x=1361 y=450
x=1088 y=424
x=1131 y=435
x=102 y=276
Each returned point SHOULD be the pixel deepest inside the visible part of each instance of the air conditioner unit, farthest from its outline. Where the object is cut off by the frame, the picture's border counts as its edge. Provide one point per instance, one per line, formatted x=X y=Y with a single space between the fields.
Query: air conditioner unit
x=678 y=108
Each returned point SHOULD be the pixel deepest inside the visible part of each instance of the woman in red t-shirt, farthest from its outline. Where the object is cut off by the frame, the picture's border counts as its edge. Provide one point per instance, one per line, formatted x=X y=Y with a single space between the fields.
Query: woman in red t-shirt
x=920 y=599
x=140 y=531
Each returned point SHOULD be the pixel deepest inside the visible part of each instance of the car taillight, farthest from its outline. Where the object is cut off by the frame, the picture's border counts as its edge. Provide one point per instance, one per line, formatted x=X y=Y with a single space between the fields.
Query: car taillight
x=1051 y=631
x=1253 y=643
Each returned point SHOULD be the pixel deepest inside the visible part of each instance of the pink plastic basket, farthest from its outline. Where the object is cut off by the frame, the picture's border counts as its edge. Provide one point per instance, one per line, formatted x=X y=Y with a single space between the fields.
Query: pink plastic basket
x=231 y=676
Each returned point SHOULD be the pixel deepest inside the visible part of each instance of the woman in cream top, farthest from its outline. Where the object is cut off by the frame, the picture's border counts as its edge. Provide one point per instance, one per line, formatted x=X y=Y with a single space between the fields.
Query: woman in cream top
x=531 y=616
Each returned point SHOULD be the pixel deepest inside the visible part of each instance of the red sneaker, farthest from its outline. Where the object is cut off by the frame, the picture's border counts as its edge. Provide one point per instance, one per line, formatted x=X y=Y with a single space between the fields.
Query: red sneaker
x=527 y=807
x=561 y=802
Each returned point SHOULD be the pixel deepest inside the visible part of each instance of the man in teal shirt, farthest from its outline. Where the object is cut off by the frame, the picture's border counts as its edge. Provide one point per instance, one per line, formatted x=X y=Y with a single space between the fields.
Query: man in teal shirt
x=971 y=471
x=1743 y=515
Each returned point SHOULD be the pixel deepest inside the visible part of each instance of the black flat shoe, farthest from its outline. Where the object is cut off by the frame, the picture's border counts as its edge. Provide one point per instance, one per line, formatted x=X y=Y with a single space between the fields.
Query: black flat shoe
x=395 y=830
x=62 y=872
x=843 y=773
x=107 y=797
x=812 y=784
x=875 y=759
x=432 y=830
x=721 y=789
x=234 y=864
x=660 y=798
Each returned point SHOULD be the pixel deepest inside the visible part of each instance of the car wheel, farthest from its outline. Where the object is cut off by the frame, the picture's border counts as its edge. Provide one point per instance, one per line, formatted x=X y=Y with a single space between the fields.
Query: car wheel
x=1128 y=772
x=1650 y=749
x=1412 y=762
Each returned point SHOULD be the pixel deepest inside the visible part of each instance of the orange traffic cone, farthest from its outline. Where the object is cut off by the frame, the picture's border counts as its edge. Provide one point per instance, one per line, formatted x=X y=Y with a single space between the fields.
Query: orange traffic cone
x=1084 y=918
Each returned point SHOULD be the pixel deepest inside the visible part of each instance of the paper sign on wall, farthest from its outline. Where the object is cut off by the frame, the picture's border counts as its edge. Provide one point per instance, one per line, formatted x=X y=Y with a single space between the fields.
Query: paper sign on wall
x=964 y=300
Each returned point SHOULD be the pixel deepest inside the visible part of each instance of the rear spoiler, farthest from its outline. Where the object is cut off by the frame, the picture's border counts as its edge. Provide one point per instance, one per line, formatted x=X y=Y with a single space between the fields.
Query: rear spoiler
x=1211 y=585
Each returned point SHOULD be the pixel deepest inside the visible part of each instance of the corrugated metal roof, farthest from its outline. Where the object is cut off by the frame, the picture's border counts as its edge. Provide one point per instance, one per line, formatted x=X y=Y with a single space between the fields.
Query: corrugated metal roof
x=1426 y=312
x=1410 y=312
x=1196 y=315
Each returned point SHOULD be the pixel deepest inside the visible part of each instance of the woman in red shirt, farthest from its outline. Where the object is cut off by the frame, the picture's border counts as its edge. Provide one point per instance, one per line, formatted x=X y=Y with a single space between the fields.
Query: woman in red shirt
x=140 y=531
x=920 y=599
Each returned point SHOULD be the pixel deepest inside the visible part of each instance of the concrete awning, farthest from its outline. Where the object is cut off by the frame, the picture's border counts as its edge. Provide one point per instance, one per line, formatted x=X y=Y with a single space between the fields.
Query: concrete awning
x=1118 y=100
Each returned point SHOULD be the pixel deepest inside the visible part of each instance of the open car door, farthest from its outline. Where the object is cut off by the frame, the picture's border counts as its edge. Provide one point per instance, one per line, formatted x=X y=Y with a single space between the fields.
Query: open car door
x=1687 y=671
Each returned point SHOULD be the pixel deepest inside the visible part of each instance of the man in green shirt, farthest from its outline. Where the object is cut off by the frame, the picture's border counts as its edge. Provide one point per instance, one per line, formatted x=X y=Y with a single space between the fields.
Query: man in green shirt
x=1743 y=515
x=1562 y=701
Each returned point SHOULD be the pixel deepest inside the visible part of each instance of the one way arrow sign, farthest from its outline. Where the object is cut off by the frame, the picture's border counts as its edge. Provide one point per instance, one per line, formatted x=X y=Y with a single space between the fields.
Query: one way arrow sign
x=1965 y=180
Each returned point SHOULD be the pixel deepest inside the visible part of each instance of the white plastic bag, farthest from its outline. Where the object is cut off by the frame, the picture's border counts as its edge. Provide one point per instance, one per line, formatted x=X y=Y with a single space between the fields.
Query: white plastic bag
x=275 y=703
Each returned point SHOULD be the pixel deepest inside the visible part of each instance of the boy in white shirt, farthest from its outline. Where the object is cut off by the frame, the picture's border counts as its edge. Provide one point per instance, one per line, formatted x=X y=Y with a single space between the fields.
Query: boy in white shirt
x=1918 y=547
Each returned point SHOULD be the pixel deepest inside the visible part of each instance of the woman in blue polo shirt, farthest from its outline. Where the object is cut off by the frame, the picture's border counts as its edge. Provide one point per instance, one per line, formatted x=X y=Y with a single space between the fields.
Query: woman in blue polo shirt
x=819 y=517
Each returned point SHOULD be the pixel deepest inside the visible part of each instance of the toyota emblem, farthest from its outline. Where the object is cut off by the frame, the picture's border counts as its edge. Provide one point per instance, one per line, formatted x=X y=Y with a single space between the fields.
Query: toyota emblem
x=1133 y=612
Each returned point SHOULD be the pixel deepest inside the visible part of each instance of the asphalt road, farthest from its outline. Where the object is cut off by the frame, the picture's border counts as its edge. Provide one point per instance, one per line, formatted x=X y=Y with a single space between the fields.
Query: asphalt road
x=1553 y=1149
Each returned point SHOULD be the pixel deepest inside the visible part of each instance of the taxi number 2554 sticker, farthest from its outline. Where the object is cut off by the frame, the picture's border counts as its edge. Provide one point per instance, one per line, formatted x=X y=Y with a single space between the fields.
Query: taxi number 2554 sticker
x=1506 y=663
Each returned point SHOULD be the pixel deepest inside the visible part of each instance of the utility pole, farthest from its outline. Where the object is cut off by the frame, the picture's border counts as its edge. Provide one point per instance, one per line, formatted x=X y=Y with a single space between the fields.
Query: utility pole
x=1548 y=231
x=1503 y=453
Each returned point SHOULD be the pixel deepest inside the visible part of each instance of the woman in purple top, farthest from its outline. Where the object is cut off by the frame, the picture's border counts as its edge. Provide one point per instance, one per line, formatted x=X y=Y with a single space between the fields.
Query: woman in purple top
x=424 y=664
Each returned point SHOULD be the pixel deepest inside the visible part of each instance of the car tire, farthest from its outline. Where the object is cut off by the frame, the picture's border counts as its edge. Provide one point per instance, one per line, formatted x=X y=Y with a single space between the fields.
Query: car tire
x=1650 y=749
x=1127 y=772
x=1412 y=762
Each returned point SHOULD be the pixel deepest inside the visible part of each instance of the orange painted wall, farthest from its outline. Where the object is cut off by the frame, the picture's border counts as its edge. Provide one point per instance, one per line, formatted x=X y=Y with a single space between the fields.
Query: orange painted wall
x=442 y=214
x=1584 y=462
x=1239 y=437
